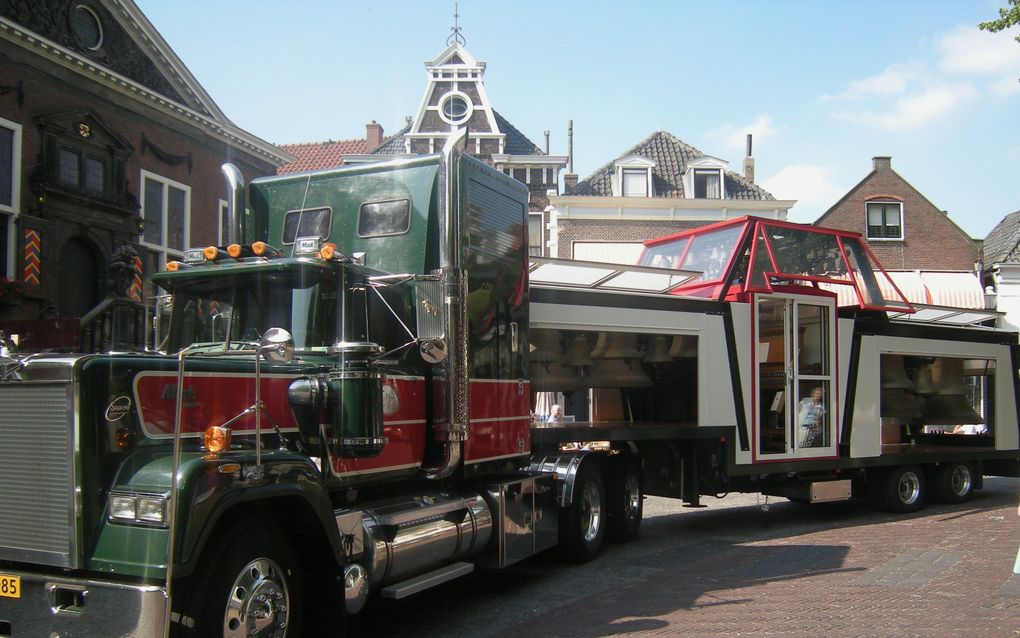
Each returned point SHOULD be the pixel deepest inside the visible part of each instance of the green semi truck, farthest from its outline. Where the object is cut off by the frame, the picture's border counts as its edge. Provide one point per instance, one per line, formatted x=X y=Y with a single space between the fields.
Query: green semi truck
x=341 y=402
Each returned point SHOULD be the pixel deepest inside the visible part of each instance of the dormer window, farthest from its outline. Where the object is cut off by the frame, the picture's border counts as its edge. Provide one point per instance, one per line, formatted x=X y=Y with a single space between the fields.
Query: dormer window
x=708 y=183
x=705 y=178
x=635 y=182
x=633 y=177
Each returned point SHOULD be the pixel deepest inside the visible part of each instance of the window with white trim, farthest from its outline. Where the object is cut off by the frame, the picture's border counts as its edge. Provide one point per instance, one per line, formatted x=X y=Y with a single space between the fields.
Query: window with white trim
x=536 y=235
x=707 y=183
x=10 y=193
x=166 y=209
x=635 y=182
x=885 y=220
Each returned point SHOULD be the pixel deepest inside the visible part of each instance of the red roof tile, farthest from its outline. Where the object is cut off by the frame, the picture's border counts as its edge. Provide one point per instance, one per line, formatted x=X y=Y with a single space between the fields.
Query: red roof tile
x=319 y=155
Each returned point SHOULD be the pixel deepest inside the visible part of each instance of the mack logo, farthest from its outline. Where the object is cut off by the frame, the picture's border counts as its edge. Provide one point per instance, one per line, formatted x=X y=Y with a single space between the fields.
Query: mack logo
x=117 y=408
x=429 y=307
x=170 y=393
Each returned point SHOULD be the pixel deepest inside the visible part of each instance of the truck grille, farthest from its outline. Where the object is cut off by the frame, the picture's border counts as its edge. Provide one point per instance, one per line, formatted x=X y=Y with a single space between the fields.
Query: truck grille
x=36 y=473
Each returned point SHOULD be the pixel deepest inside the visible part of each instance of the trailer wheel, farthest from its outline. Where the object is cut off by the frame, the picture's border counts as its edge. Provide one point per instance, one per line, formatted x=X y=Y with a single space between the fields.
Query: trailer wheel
x=954 y=482
x=583 y=522
x=902 y=489
x=625 y=505
x=253 y=587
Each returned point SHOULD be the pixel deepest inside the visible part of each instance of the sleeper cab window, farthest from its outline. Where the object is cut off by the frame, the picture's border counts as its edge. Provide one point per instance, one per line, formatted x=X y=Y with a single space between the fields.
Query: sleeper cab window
x=379 y=219
x=309 y=222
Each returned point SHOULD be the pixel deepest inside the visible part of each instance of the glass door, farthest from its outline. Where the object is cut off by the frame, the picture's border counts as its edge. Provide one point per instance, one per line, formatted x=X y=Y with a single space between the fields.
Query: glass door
x=796 y=345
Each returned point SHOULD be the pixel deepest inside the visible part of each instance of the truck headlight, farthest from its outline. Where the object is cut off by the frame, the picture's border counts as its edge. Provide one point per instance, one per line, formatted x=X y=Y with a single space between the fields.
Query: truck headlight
x=138 y=509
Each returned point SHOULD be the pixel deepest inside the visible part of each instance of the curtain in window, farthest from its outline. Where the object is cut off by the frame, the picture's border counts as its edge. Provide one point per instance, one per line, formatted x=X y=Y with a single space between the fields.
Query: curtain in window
x=712 y=186
x=635 y=183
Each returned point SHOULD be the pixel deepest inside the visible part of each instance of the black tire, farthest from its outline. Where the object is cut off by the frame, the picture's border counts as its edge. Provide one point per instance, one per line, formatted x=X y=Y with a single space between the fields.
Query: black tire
x=625 y=501
x=902 y=489
x=583 y=522
x=954 y=482
x=249 y=577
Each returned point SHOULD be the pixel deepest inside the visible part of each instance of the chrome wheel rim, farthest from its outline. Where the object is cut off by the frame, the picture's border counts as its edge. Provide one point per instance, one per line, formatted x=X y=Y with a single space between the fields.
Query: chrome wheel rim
x=591 y=511
x=909 y=488
x=259 y=602
x=632 y=494
x=960 y=480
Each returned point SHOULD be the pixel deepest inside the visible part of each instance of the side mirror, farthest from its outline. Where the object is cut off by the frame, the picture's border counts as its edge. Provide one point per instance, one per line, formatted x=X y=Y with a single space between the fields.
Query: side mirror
x=277 y=345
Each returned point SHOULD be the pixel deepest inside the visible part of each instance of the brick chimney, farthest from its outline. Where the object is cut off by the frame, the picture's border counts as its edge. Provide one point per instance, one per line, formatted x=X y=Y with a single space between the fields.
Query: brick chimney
x=882 y=162
x=749 y=162
x=373 y=136
x=569 y=182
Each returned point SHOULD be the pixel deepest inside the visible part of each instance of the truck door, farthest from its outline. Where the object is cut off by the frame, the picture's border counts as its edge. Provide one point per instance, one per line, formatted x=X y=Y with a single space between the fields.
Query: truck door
x=794 y=378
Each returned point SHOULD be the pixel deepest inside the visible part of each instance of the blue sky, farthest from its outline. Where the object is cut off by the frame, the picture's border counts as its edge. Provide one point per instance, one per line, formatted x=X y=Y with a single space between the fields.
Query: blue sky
x=823 y=86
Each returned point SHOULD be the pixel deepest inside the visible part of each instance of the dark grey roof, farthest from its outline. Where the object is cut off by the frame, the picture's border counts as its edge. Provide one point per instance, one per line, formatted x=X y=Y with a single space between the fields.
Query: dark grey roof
x=671 y=156
x=1002 y=245
x=516 y=142
x=394 y=144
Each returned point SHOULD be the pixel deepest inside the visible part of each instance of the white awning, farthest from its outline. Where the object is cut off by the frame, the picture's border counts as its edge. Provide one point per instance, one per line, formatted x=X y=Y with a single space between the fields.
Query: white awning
x=954 y=289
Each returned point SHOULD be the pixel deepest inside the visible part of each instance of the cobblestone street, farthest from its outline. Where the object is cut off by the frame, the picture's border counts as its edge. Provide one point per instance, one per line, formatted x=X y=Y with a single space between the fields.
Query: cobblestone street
x=739 y=568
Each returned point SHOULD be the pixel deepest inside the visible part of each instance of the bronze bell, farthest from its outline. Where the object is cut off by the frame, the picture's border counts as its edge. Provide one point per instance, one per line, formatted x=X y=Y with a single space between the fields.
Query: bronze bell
x=577 y=354
x=622 y=345
x=951 y=409
x=601 y=343
x=658 y=350
x=545 y=346
x=617 y=373
x=898 y=403
x=553 y=377
x=684 y=347
x=923 y=382
x=947 y=373
x=893 y=373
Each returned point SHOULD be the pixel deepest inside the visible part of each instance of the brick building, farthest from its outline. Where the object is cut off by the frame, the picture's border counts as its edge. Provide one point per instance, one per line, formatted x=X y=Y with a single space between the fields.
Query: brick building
x=931 y=259
x=107 y=142
x=659 y=186
x=903 y=228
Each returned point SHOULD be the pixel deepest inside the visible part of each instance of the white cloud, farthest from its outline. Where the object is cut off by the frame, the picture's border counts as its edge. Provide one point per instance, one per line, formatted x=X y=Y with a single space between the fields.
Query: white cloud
x=809 y=185
x=731 y=137
x=892 y=81
x=969 y=50
x=915 y=111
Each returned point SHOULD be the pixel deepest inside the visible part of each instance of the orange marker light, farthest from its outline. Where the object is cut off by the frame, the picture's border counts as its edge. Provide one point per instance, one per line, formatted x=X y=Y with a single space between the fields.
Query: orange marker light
x=217 y=439
x=259 y=248
x=173 y=266
x=234 y=250
x=210 y=253
x=327 y=251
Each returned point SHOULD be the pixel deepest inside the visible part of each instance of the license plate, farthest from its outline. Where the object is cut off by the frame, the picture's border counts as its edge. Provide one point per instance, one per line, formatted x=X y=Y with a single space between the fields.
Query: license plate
x=10 y=586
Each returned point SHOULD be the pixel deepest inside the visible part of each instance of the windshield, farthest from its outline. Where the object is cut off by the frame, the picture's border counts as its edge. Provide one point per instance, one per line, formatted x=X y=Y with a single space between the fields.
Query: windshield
x=225 y=312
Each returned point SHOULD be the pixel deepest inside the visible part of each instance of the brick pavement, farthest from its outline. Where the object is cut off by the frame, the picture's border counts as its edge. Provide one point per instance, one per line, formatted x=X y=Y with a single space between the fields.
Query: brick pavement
x=838 y=570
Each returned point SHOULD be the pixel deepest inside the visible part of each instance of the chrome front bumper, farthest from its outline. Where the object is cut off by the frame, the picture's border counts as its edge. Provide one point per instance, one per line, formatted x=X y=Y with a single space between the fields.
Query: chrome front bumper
x=78 y=608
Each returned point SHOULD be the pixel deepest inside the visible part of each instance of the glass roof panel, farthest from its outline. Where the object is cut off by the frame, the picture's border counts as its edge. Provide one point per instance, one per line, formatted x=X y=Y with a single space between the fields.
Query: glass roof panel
x=710 y=252
x=594 y=275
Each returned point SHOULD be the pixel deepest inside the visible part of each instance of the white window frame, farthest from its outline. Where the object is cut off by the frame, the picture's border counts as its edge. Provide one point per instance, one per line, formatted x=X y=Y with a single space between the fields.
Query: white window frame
x=632 y=163
x=704 y=163
x=540 y=218
x=13 y=210
x=162 y=249
x=867 y=222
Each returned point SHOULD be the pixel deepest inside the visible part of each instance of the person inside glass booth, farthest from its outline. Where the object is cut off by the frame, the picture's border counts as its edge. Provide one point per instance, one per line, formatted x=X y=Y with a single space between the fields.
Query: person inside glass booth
x=811 y=418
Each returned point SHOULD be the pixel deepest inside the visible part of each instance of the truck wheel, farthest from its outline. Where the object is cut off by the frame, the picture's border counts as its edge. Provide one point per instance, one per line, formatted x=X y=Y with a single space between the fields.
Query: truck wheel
x=902 y=489
x=625 y=502
x=583 y=522
x=253 y=587
x=954 y=482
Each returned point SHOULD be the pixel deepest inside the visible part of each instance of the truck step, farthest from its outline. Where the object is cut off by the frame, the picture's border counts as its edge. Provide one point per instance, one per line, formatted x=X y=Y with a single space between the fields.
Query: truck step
x=427 y=580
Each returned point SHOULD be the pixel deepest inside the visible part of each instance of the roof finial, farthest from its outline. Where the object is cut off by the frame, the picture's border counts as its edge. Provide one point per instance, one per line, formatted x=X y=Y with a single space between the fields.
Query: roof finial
x=456 y=36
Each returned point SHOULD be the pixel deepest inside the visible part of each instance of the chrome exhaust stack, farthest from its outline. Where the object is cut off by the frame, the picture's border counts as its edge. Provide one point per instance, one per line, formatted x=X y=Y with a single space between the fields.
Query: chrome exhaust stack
x=235 y=203
x=452 y=431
